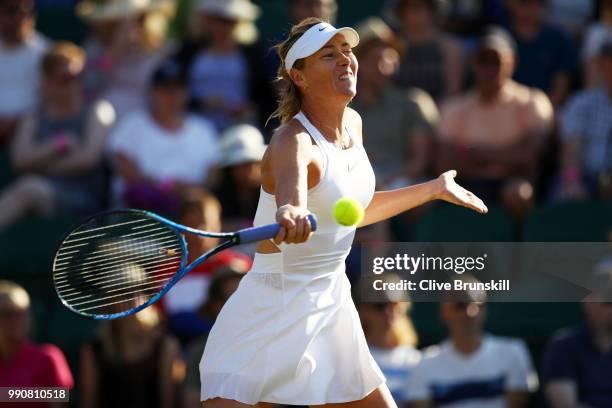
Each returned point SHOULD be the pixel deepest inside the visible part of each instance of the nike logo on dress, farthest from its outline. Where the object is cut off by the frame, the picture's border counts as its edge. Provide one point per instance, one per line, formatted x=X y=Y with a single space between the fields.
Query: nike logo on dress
x=321 y=29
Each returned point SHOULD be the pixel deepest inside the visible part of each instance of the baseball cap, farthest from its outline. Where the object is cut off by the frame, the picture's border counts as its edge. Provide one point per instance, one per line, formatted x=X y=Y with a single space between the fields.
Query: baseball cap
x=169 y=72
x=315 y=38
x=497 y=39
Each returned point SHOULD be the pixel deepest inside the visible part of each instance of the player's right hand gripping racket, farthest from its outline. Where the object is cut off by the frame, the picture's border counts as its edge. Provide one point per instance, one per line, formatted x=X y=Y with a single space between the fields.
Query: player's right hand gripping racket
x=116 y=263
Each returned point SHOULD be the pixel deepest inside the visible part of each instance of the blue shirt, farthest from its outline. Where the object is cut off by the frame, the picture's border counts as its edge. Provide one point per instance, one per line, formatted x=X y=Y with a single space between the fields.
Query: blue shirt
x=573 y=356
x=550 y=52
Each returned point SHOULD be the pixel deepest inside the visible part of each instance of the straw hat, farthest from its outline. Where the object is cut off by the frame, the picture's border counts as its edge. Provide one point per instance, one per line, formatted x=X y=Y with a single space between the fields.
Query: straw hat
x=108 y=10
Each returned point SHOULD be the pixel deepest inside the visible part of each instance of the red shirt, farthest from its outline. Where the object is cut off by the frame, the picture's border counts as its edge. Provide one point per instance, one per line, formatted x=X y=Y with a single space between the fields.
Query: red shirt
x=41 y=365
x=190 y=292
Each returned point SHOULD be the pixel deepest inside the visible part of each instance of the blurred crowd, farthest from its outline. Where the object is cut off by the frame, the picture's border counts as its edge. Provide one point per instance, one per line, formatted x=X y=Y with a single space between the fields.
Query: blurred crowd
x=514 y=94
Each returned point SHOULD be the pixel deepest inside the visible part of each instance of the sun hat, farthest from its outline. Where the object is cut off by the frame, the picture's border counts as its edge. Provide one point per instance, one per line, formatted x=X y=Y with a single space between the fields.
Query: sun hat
x=230 y=9
x=108 y=10
x=241 y=144
x=315 y=38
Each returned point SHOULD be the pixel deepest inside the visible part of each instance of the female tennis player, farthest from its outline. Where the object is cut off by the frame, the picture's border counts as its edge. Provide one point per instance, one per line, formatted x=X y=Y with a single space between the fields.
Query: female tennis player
x=290 y=334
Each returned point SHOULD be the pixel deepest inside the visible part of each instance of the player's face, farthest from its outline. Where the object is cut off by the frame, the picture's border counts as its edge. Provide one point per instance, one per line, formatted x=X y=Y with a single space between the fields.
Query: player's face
x=331 y=70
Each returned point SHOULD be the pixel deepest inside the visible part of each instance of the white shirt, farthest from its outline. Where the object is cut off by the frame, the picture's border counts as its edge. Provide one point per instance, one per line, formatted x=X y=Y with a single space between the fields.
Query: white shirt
x=184 y=155
x=479 y=380
x=20 y=75
x=397 y=365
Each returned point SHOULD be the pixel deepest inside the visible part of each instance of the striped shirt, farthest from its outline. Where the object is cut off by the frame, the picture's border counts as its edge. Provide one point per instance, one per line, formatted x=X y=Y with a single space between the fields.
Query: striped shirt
x=479 y=380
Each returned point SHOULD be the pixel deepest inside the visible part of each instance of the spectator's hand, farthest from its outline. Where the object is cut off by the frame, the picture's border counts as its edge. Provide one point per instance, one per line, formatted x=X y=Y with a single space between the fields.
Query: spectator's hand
x=295 y=227
x=449 y=190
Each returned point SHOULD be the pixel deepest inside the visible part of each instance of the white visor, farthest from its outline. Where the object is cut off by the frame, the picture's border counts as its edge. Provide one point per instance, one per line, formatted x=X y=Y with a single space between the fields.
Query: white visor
x=315 y=38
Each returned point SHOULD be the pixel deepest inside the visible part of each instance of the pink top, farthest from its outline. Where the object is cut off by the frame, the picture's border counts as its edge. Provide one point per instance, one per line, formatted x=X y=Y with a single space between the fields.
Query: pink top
x=41 y=365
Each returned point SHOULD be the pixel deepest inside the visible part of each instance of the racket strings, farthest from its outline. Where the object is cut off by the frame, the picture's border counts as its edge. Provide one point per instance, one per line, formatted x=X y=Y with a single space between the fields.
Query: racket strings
x=115 y=263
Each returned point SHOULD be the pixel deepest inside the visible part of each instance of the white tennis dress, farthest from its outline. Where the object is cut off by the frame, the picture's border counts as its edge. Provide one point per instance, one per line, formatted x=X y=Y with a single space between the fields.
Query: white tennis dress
x=291 y=334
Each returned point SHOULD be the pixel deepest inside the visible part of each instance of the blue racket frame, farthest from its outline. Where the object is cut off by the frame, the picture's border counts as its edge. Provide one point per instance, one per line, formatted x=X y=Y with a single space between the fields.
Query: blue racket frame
x=247 y=235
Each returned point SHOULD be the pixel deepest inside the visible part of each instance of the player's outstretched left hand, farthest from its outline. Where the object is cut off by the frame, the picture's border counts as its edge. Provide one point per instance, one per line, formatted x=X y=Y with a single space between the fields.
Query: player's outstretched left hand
x=453 y=193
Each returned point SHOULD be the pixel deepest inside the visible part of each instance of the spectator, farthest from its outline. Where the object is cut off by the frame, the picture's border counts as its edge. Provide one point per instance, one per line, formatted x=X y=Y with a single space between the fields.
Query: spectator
x=21 y=49
x=23 y=363
x=577 y=363
x=595 y=36
x=391 y=337
x=131 y=364
x=399 y=122
x=586 y=130
x=200 y=210
x=59 y=146
x=227 y=79
x=242 y=148
x=546 y=53
x=224 y=284
x=494 y=134
x=432 y=60
x=471 y=368
x=128 y=41
x=161 y=151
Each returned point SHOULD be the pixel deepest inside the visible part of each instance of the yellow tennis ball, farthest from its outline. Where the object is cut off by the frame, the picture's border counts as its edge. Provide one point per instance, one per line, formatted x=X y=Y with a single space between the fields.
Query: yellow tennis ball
x=348 y=211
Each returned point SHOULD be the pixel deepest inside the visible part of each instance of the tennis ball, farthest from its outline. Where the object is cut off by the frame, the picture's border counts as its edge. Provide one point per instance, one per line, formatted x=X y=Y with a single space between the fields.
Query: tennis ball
x=348 y=211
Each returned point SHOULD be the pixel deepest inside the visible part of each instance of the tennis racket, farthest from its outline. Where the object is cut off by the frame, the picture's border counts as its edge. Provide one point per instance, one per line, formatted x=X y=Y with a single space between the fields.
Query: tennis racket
x=116 y=263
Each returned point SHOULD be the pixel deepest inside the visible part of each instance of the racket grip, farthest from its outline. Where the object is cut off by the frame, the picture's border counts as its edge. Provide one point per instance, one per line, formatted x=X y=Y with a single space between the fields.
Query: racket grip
x=255 y=234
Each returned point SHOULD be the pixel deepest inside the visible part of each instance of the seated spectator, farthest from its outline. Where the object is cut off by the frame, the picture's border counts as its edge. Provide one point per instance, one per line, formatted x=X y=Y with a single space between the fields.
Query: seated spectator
x=224 y=284
x=471 y=368
x=586 y=130
x=598 y=33
x=242 y=148
x=161 y=151
x=132 y=363
x=577 y=363
x=391 y=337
x=399 y=122
x=21 y=49
x=23 y=363
x=546 y=53
x=200 y=210
x=227 y=79
x=494 y=134
x=59 y=147
x=431 y=60
x=127 y=43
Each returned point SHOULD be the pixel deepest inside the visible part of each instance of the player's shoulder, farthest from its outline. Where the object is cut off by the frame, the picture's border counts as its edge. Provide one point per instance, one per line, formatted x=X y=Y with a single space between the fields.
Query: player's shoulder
x=289 y=135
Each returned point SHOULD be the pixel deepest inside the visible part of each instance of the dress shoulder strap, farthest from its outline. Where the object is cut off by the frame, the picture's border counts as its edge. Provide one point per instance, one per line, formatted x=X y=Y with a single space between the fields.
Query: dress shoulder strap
x=317 y=136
